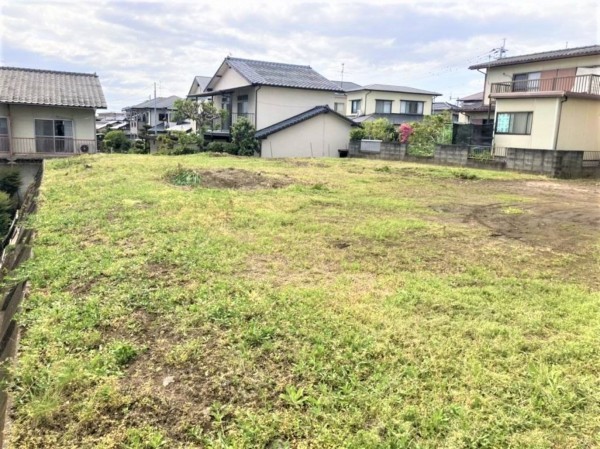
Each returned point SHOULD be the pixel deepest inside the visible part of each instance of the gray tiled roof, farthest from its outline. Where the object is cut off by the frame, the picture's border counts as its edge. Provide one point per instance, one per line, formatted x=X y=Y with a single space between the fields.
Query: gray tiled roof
x=473 y=97
x=50 y=88
x=262 y=133
x=159 y=103
x=346 y=85
x=589 y=50
x=391 y=88
x=444 y=106
x=282 y=75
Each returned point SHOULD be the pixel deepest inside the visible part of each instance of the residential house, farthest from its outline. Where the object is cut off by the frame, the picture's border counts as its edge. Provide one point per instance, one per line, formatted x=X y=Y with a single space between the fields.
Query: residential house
x=285 y=95
x=547 y=101
x=155 y=114
x=198 y=85
x=398 y=104
x=341 y=99
x=474 y=111
x=439 y=107
x=45 y=113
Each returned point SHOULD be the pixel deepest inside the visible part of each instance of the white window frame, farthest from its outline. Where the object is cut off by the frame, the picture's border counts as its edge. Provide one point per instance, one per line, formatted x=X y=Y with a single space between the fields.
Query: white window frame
x=64 y=139
x=405 y=106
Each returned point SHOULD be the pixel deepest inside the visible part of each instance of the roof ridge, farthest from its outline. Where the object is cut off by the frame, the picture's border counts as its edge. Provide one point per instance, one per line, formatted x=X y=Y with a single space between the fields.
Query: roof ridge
x=550 y=51
x=267 y=62
x=60 y=72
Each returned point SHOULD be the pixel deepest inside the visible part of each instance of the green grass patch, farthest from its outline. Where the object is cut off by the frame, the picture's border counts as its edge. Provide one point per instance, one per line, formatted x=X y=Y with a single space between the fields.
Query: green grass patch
x=356 y=305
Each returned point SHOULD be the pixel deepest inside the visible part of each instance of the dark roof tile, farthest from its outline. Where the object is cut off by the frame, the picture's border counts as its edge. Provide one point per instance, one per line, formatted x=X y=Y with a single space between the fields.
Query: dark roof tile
x=589 y=50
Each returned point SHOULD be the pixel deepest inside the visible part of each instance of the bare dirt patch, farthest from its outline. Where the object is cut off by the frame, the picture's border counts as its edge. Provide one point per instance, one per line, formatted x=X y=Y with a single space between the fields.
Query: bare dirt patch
x=228 y=178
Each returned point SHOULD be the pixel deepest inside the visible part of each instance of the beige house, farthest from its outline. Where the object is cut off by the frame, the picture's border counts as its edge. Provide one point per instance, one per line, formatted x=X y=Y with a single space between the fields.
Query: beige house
x=318 y=132
x=548 y=101
x=399 y=104
x=46 y=113
x=270 y=94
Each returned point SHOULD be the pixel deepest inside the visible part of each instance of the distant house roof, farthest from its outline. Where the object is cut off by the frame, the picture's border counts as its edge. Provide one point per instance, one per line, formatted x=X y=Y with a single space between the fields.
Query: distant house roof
x=473 y=97
x=265 y=132
x=346 y=85
x=158 y=103
x=201 y=82
x=392 y=88
x=280 y=75
x=394 y=119
x=589 y=50
x=50 y=88
x=439 y=106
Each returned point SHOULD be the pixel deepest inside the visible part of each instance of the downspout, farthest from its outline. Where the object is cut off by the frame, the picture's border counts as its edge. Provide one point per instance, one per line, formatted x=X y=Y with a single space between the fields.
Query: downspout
x=256 y=107
x=558 y=117
x=10 y=140
x=366 y=95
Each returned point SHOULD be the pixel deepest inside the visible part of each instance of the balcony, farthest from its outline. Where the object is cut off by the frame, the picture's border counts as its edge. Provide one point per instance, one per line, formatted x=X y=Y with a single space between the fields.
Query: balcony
x=45 y=147
x=223 y=126
x=584 y=84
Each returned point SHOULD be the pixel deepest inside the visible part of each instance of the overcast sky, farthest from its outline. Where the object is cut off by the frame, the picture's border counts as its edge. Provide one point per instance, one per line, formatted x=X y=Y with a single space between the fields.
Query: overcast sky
x=423 y=44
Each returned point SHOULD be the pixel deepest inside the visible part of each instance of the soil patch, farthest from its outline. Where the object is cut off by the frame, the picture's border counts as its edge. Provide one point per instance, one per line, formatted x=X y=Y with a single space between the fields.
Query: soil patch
x=233 y=178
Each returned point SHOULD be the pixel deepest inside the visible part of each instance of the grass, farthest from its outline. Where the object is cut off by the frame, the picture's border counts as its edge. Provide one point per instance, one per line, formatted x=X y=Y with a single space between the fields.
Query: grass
x=357 y=307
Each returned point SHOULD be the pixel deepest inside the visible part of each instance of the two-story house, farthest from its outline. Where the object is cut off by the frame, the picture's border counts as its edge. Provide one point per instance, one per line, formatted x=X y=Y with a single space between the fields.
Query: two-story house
x=548 y=100
x=156 y=114
x=46 y=113
x=398 y=104
x=291 y=106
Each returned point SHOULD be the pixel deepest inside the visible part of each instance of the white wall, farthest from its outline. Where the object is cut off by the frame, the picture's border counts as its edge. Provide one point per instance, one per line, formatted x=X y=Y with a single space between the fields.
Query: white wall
x=279 y=103
x=580 y=125
x=543 y=125
x=230 y=79
x=22 y=118
x=320 y=136
x=369 y=97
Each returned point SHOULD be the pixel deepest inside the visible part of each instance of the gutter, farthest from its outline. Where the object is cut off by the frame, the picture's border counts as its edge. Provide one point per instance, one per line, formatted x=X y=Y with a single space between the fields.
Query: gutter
x=366 y=95
x=256 y=107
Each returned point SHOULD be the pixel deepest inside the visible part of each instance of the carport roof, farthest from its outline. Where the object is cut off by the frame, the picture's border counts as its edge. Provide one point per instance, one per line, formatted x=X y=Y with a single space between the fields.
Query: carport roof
x=265 y=132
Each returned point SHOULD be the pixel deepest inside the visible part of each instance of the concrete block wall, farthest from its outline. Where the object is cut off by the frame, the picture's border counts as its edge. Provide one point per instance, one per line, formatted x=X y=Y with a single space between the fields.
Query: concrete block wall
x=529 y=160
x=451 y=155
x=390 y=151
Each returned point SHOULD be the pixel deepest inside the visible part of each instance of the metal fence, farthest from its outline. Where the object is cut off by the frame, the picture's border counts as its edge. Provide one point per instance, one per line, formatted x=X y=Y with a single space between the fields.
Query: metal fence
x=591 y=159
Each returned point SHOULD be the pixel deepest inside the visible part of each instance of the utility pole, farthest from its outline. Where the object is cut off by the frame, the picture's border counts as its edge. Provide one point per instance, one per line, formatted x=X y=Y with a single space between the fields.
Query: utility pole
x=155 y=115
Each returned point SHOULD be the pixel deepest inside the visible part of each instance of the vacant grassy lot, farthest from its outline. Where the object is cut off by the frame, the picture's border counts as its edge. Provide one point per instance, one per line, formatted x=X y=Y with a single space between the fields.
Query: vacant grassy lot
x=318 y=304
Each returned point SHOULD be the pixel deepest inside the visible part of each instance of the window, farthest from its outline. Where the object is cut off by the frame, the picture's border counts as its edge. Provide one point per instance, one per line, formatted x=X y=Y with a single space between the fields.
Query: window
x=383 y=106
x=411 y=107
x=242 y=105
x=4 y=134
x=338 y=107
x=526 y=82
x=163 y=116
x=355 y=106
x=54 y=136
x=514 y=122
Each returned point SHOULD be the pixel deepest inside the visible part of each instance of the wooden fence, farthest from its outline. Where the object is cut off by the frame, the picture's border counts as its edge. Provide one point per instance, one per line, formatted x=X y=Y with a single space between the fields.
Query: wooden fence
x=15 y=249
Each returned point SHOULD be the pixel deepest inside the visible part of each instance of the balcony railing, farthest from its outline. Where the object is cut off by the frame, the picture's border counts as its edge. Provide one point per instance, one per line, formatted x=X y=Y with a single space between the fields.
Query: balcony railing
x=58 y=146
x=225 y=125
x=587 y=84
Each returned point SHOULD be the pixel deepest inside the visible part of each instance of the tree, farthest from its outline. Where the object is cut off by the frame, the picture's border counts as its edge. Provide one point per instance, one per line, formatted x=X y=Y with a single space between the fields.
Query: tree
x=380 y=129
x=202 y=114
x=242 y=136
x=117 y=142
x=179 y=142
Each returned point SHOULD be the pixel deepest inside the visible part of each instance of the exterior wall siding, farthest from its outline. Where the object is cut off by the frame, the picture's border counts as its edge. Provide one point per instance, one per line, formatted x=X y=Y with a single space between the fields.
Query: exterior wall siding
x=23 y=120
x=320 y=136
x=580 y=125
x=368 y=106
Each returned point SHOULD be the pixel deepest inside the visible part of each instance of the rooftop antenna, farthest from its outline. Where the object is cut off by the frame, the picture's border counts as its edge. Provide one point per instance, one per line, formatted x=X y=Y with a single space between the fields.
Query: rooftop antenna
x=342 y=81
x=567 y=44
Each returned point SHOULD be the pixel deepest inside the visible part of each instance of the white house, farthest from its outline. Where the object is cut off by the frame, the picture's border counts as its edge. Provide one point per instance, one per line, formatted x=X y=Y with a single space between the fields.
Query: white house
x=46 y=113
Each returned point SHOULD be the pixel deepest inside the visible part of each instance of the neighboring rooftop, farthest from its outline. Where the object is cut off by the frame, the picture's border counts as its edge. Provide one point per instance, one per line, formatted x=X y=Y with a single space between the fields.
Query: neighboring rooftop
x=589 y=50
x=439 y=106
x=346 y=85
x=158 y=103
x=199 y=84
x=50 y=88
x=394 y=119
x=392 y=88
x=262 y=133
x=280 y=75
x=473 y=97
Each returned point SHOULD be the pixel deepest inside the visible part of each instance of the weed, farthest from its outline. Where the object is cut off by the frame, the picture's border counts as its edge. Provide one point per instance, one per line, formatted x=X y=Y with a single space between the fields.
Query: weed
x=294 y=396
x=183 y=177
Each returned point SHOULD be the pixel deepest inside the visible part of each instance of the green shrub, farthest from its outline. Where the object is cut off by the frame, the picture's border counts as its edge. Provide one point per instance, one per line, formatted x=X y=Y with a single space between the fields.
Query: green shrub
x=116 y=142
x=380 y=129
x=6 y=212
x=433 y=130
x=242 y=136
x=216 y=147
x=10 y=181
x=357 y=133
x=179 y=142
